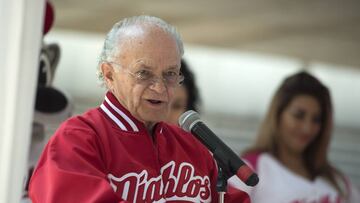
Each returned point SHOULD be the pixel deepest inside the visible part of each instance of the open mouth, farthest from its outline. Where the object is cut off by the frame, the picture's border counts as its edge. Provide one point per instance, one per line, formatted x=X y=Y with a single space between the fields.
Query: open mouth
x=155 y=102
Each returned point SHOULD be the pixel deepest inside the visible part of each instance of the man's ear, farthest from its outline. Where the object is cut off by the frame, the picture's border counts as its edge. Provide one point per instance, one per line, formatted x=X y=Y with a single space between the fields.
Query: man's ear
x=108 y=72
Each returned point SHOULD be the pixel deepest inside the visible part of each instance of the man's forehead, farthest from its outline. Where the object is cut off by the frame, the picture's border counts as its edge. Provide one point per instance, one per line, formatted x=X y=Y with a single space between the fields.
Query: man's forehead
x=147 y=45
x=151 y=63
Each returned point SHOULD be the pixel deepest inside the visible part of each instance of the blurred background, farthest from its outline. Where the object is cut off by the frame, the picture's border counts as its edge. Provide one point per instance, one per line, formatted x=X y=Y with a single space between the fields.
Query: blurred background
x=239 y=50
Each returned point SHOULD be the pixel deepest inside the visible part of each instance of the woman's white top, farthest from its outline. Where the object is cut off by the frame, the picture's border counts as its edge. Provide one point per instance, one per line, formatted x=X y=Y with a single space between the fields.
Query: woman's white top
x=278 y=184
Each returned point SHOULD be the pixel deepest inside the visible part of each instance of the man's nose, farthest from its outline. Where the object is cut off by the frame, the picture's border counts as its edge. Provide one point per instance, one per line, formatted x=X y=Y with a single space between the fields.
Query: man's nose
x=158 y=85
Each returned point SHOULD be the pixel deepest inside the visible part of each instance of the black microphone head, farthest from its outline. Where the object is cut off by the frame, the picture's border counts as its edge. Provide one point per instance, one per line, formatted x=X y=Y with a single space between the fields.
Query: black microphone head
x=188 y=119
x=252 y=180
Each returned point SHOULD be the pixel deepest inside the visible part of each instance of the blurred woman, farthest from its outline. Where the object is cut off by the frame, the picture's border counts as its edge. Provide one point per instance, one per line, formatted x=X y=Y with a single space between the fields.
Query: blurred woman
x=290 y=153
x=186 y=96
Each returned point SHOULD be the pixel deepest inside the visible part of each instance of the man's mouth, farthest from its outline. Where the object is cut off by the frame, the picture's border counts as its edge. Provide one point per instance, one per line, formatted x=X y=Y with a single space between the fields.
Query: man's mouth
x=155 y=102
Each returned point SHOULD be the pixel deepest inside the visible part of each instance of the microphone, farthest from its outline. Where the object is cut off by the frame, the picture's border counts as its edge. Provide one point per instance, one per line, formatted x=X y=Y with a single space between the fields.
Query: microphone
x=229 y=162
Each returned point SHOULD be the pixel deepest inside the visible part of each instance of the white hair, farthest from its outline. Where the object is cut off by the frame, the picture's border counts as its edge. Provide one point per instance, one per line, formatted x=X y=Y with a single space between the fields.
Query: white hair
x=111 y=44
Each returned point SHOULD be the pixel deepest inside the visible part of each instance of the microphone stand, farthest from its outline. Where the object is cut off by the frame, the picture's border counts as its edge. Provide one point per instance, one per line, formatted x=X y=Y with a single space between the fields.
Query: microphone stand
x=221 y=185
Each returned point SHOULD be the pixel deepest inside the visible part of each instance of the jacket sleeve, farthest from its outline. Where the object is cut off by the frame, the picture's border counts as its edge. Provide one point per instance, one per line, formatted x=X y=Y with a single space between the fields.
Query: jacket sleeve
x=235 y=195
x=71 y=169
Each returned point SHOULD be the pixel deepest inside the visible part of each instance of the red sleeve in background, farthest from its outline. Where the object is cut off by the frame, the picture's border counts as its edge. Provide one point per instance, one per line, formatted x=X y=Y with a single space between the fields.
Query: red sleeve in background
x=234 y=195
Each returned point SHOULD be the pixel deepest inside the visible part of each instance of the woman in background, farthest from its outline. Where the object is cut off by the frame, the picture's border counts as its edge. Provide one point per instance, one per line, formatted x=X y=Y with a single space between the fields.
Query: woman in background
x=290 y=153
x=186 y=96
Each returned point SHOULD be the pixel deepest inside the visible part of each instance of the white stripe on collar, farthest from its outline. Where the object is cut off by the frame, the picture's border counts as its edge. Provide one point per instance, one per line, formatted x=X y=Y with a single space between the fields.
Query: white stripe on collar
x=123 y=115
x=116 y=120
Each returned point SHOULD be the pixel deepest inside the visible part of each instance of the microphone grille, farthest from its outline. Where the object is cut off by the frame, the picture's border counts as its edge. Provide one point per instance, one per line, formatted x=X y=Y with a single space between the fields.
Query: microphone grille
x=188 y=119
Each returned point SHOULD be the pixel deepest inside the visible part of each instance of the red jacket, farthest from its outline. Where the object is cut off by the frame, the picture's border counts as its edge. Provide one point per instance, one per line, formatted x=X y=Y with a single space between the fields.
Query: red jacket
x=106 y=155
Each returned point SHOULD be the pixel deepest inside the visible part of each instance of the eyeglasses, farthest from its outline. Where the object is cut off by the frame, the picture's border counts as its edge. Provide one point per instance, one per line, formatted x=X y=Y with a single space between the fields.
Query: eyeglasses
x=171 y=78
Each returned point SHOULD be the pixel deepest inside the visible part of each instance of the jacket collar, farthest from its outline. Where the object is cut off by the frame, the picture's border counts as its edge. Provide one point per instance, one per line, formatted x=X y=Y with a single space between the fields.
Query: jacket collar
x=119 y=115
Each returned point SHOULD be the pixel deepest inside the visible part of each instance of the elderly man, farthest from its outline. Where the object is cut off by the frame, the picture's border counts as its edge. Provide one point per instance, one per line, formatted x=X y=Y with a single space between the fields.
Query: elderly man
x=122 y=151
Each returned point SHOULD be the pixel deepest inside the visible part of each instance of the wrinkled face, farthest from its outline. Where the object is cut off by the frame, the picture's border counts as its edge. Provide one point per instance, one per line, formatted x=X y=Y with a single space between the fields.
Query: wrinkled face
x=299 y=123
x=147 y=50
x=178 y=105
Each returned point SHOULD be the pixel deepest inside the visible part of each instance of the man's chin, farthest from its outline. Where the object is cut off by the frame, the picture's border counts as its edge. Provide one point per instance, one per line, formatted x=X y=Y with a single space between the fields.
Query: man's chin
x=154 y=117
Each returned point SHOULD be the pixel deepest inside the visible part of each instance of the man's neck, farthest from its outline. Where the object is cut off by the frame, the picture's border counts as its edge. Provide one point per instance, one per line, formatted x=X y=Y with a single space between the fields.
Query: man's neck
x=150 y=127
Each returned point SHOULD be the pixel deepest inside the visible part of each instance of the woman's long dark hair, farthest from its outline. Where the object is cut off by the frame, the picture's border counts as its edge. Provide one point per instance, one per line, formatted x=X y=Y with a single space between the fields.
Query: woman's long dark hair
x=191 y=88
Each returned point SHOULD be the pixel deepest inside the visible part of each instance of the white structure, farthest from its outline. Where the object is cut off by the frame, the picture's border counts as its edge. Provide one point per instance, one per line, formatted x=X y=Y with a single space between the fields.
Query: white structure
x=20 y=40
